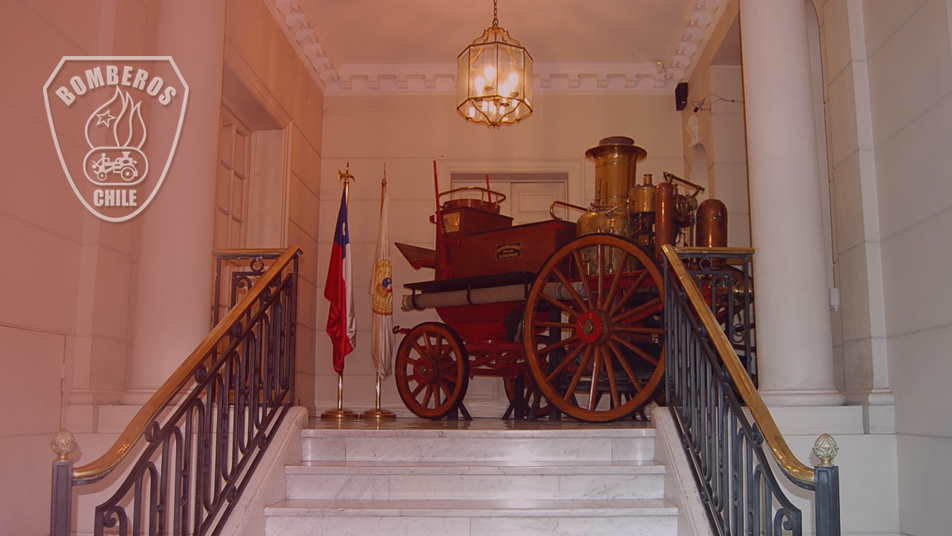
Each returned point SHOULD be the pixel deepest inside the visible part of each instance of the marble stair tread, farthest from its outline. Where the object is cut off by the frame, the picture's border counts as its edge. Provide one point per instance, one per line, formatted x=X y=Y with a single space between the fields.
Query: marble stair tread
x=471 y=508
x=449 y=467
x=580 y=432
x=475 y=446
x=456 y=468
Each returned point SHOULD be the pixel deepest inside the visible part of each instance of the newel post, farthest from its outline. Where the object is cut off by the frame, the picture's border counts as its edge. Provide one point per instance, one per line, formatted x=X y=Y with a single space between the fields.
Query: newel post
x=61 y=503
x=827 y=490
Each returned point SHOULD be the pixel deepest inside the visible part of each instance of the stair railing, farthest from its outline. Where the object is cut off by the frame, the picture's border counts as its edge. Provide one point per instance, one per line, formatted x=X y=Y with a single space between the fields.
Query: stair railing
x=205 y=429
x=704 y=378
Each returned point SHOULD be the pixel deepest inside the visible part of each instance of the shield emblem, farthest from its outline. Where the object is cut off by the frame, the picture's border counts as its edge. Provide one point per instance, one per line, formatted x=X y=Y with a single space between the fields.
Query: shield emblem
x=116 y=122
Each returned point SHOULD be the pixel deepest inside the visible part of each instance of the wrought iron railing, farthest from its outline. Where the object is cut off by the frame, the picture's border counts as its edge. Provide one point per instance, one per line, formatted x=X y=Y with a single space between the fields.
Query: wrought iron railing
x=706 y=385
x=725 y=277
x=236 y=271
x=205 y=430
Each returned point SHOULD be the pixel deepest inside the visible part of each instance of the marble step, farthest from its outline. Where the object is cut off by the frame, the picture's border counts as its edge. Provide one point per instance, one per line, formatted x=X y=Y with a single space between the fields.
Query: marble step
x=471 y=518
x=455 y=481
x=474 y=446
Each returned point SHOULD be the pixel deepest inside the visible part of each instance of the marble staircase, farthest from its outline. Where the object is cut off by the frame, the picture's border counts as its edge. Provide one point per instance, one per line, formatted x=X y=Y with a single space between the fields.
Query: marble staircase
x=477 y=478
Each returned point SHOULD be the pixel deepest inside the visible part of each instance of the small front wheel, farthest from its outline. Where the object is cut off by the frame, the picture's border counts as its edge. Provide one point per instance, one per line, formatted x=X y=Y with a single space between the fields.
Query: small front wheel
x=432 y=370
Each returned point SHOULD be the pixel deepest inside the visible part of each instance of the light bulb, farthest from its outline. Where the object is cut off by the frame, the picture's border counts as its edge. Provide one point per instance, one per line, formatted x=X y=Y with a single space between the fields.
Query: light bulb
x=490 y=73
x=472 y=111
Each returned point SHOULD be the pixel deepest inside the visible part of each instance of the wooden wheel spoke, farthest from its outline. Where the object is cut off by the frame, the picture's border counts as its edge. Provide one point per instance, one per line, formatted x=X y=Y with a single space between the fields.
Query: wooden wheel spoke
x=560 y=305
x=419 y=349
x=610 y=371
x=565 y=363
x=426 y=396
x=637 y=310
x=644 y=355
x=596 y=372
x=444 y=386
x=444 y=353
x=584 y=277
x=601 y=275
x=610 y=297
x=556 y=345
x=419 y=388
x=627 y=366
x=570 y=392
x=568 y=286
x=629 y=293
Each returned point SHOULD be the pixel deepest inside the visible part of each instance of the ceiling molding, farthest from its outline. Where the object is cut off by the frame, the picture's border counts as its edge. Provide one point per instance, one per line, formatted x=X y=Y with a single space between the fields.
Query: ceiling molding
x=698 y=27
x=579 y=78
x=304 y=41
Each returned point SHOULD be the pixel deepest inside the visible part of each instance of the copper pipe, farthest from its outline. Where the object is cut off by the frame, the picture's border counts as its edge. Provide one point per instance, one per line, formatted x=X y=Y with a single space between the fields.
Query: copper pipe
x=665 y=212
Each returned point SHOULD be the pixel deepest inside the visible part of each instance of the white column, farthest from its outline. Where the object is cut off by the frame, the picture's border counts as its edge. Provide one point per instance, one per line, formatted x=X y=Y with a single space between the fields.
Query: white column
x=794 y=339
x=172 y=304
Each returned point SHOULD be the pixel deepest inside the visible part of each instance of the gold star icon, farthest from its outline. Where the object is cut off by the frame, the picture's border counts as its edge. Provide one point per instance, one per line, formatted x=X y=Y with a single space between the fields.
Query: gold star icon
x=104 y=118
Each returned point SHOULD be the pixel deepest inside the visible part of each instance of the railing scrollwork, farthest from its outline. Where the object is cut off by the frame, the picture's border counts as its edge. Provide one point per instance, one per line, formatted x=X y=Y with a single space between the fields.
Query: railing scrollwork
x=708 y=388
x=206 y=429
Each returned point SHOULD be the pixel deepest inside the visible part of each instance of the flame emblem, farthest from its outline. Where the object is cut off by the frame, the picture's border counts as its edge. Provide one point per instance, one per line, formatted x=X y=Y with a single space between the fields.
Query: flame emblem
x=121 y=162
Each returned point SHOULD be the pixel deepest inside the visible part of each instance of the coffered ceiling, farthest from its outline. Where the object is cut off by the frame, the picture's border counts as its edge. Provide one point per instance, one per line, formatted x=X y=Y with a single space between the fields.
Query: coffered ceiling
x=410 y=46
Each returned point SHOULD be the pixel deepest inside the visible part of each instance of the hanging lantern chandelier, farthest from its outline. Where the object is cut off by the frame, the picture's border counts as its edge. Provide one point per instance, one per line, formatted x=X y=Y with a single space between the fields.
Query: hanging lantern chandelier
x=495 y=78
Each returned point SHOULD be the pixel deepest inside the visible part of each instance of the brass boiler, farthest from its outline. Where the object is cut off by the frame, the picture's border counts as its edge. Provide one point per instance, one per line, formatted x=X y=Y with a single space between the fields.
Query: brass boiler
x=616 y=160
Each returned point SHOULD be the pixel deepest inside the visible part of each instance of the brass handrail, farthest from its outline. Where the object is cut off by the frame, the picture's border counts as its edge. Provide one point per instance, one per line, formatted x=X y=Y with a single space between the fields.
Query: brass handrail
x=789 y=463
x=100 y=468
x=248 y=252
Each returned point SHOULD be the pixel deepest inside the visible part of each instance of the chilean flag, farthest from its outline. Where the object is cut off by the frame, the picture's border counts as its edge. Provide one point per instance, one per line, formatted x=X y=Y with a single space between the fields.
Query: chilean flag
x=341 y=322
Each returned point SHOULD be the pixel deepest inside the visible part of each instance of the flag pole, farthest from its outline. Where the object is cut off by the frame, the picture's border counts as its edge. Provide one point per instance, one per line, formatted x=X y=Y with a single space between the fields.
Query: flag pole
x=378 y=413
x=340 y=413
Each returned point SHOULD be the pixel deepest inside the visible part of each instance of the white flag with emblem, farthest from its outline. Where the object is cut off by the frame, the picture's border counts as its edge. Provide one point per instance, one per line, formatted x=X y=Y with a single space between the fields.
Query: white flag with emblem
x=381 y=289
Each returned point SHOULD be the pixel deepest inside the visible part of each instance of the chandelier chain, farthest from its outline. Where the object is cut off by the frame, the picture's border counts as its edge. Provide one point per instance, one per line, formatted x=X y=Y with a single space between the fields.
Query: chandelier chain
x=495 y=14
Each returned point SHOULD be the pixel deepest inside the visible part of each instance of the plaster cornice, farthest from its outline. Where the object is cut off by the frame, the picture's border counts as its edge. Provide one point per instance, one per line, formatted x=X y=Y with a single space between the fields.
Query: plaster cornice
x=440 y=78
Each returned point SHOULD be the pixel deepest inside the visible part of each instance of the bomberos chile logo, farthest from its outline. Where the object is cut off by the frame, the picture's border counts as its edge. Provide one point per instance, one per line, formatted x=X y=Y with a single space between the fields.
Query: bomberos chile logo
x=116 y=122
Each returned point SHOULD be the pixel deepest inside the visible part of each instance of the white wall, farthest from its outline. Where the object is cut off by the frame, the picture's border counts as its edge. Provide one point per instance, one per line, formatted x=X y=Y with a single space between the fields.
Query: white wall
x=407 y=133
x=65 y=276
x=888 y=73
x=910 y=80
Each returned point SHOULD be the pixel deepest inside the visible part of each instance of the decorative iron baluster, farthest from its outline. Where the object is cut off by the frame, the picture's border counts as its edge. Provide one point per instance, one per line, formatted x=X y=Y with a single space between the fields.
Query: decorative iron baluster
x=204 y=441
x=725 y=451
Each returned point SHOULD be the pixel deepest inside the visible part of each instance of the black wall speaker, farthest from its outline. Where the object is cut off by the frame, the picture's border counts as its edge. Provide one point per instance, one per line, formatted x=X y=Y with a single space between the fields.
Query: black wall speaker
x=681 y=96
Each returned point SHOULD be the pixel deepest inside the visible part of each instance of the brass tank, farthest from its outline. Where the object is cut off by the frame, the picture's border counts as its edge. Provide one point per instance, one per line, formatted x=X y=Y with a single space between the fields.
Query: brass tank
x=641 y=198
x=665 y=214
x=711 y=224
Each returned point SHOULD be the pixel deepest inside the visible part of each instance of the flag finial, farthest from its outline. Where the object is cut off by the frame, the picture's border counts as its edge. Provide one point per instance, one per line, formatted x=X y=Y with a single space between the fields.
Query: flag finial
x=345 y=175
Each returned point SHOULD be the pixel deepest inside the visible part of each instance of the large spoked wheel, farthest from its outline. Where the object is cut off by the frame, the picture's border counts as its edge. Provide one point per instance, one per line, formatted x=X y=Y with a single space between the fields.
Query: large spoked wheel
x=432 y=370
x=593 y=331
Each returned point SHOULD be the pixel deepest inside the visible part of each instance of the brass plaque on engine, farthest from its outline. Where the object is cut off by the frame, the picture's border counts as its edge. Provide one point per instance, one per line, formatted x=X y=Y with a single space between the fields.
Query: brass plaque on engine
x=512 y=250
x=451 y=222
